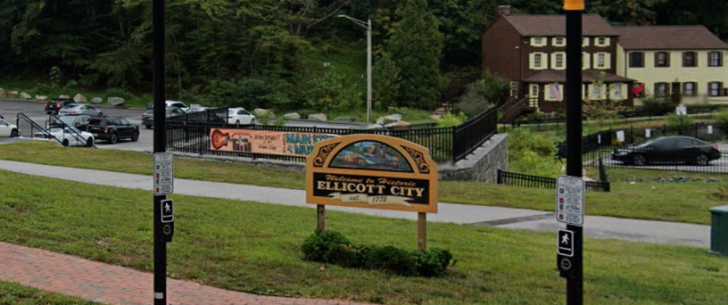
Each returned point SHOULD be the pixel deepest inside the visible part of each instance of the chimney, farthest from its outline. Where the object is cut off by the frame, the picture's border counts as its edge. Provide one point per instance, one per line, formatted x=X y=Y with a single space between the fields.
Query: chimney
x=504 y=10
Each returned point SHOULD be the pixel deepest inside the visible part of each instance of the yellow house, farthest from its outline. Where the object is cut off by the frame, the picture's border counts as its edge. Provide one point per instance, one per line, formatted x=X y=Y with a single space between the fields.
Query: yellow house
x=687 y=64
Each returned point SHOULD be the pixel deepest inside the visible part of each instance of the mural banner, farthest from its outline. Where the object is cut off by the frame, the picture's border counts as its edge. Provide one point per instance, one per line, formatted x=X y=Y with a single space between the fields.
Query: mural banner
x=294 y=144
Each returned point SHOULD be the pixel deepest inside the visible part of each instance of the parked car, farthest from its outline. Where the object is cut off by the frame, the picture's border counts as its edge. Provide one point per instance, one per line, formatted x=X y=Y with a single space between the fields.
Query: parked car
x=148 y=115
x=79 y=121
x=54 y=106
x=7 y=129
x=672 y=149
x=177 y=104
x=112 y=129
x=240 y=116
x=69 y=136
x=80 y=109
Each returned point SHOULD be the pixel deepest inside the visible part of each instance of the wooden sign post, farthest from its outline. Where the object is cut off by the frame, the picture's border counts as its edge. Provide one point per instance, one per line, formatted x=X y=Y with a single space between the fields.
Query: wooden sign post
x=372 y=171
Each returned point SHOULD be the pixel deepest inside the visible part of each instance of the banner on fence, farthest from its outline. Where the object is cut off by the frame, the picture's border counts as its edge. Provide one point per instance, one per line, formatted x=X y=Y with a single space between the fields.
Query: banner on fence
x=295 y=144
x=372 y=171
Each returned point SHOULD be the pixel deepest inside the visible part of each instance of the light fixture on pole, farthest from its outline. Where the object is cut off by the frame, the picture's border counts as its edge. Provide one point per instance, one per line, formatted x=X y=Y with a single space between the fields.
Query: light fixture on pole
x=368 y=26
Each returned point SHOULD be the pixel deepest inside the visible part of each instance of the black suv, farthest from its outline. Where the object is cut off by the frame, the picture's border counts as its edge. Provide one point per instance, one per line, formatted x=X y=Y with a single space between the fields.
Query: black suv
x=112 y=129
x=54 y=106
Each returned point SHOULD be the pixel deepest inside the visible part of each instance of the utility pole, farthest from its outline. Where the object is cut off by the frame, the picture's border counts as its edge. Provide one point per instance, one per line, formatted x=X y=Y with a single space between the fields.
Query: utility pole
x=368 y=26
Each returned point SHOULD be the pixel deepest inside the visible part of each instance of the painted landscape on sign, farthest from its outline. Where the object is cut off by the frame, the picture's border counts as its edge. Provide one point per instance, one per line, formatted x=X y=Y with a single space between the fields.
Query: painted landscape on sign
x=371 y=155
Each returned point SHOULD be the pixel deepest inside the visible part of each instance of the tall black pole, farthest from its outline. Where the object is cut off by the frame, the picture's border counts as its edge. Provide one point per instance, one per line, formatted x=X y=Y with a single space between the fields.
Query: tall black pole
x=160 y=247
x=574 y=284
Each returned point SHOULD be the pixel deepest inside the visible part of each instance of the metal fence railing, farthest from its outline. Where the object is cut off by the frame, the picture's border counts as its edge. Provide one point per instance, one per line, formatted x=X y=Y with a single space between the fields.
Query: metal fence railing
x=522 y=180
x=192 y=133
x=620 y=148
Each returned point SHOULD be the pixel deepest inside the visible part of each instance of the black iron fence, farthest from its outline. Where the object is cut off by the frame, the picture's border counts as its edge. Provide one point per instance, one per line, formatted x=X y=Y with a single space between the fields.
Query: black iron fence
x=621 y=148
x=193 y=133
x=522 y=180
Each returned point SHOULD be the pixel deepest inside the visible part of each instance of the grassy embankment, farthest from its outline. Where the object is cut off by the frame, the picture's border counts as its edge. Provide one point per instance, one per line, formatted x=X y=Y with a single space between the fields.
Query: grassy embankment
x=14 y=294
x=683 y=202
x=254 y=247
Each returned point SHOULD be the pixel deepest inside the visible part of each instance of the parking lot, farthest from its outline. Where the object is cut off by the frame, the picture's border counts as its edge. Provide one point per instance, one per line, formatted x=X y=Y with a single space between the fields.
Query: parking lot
x=35 y=111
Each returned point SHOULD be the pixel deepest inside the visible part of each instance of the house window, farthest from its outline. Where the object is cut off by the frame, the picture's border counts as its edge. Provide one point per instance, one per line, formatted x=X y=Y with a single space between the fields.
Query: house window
x=554 y=92
x=533 y=92
x=537 y=60
x=585 y=42
x=559 y=60
x=661 y=89
x=617 y=91
x=689 y=59
x=715 y=59
x=689 y=89
x=715 y=88
x=514 y=89
x=585 y=61
x=602 y=42
x=601 y=61
x=636 y=60
x=538 y=41
x=662 y=59
x=559 y=41
x=596 y=92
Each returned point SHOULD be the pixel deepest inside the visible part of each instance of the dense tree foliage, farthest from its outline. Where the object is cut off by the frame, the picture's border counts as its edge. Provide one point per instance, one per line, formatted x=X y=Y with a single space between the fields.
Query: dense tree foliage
x=259 y=51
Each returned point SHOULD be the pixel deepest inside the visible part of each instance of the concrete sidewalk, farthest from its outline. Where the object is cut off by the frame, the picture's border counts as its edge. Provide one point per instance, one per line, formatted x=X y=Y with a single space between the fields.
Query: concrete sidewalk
x=595 y=226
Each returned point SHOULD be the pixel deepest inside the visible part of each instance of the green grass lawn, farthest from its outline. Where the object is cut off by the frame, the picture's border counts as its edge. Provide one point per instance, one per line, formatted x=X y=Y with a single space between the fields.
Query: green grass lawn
x=680 y=202
x=254 y=247
x=14 y=294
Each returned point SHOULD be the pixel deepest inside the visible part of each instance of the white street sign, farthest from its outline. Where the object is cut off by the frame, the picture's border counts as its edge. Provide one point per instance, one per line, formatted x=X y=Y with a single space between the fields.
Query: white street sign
x=163 y=174
x=570 y=200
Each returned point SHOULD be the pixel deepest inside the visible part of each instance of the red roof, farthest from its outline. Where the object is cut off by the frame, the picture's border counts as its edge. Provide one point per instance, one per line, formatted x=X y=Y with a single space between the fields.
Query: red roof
x=668 y=37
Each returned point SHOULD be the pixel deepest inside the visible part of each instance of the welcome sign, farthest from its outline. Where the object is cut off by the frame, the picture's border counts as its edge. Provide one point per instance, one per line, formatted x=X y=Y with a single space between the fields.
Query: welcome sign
x=372 y=171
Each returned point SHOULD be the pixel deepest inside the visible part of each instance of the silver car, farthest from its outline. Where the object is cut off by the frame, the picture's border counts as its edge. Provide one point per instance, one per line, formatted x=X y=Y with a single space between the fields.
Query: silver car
x=80 y=109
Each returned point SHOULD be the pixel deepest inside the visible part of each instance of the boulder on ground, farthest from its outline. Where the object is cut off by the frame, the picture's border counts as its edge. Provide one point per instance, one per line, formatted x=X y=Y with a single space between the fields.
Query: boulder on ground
x=3 y=93
x=346 y=119
x=13 y=94
x=392 y=118
x=25 y=95
x=79 y=98
x=400 y=124
x=261 y=112
x=63 y=96
x=97 y=100
x=115 y=101
x=41 y=97
x=292 y=116
x=317 y=117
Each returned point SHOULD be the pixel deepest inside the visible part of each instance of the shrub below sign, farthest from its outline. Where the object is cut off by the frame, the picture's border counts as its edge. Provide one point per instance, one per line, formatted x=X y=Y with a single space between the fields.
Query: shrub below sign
x=333 y=248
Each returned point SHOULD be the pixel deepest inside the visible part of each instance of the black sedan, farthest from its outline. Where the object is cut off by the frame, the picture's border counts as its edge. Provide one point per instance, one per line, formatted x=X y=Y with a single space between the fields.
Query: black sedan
x=673 y=149
x=112 y=129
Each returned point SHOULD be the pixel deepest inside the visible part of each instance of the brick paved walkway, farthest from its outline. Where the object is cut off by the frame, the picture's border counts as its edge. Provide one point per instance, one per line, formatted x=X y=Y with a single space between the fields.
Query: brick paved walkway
x=110 y=284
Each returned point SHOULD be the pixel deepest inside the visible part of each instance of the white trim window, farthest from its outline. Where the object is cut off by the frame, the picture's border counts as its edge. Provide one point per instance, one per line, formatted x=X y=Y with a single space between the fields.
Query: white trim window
x=558 y=62
x=538 y=41
x=617 y=92
x=559 y=41
x=585 y=42
x=539 y=61
x=533 y=91
x=585 y=61
x=514 y=89
x=602 y=42
x=601 y=60
x=596 y=92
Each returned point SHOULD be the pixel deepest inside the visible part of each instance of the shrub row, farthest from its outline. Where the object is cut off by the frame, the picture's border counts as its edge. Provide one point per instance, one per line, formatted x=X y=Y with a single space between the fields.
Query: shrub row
x=333 y=248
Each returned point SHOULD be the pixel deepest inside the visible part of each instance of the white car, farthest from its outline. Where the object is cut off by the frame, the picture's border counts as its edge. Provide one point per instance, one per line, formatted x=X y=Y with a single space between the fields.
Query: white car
x=7 y=129
x=177 y=104
x=240 y=116
x=69 y=136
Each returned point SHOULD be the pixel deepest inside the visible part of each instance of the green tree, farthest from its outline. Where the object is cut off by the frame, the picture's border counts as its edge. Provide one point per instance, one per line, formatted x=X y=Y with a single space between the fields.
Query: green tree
x=635 y=12
x=416 y=47
x=484 y=94
x=385 y=82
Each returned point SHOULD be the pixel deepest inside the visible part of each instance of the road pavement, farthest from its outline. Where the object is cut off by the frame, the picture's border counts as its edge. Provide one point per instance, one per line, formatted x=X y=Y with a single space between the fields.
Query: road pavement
x=595 y=226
